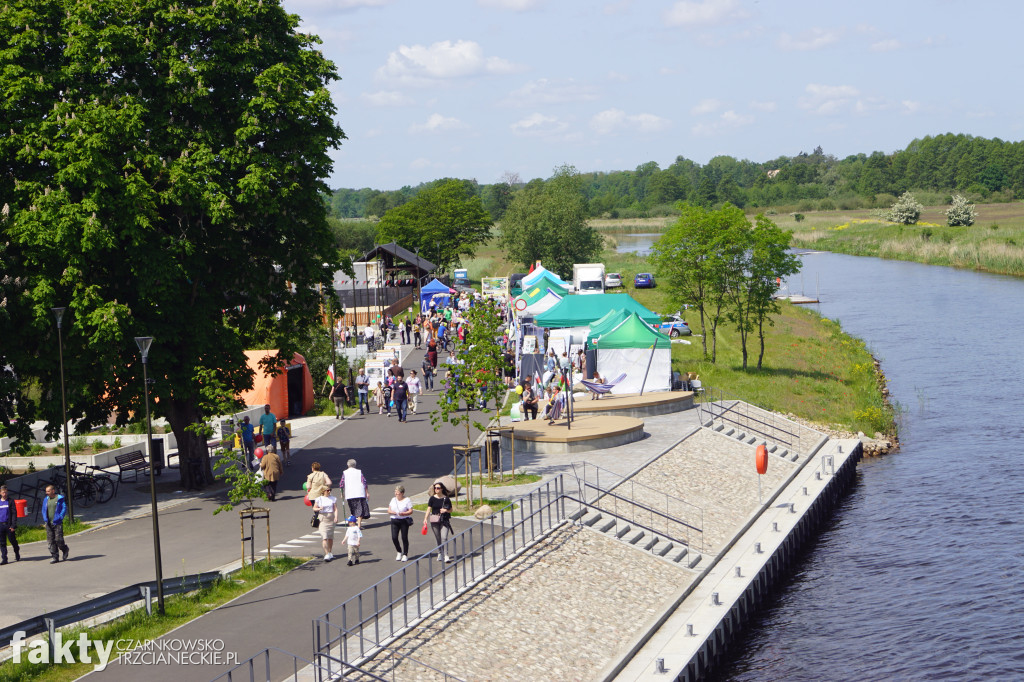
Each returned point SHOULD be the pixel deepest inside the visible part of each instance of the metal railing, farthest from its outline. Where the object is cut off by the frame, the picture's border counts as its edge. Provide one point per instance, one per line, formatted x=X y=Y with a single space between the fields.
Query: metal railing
x=640 y=505
x=376 y=615
x=724 y=409
x=260 y=667
x=385 y=663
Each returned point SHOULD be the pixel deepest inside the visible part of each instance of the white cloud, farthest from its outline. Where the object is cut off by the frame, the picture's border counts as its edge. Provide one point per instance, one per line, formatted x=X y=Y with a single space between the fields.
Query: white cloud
x=514 y=5
x=422 y=65
x=706 y=106
x=539 y=125
x=706 y=13
x=828 y=100
x=611 y=120
x=437 y=124
x=812 y=39
x=910 y=106
x=618 y=76
x=729 y=120
x=386 y=98
x=544 y=91
x=886 y=45
x=763 y=106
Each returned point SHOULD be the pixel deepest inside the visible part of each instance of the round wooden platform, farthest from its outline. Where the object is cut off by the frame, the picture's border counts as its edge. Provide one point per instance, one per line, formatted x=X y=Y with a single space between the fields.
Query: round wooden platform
x=634 y=404
x=588 y=432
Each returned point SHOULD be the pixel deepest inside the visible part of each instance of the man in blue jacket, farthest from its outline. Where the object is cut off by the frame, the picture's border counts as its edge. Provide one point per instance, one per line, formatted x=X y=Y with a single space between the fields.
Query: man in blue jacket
x=54 y=509
x=8 y=527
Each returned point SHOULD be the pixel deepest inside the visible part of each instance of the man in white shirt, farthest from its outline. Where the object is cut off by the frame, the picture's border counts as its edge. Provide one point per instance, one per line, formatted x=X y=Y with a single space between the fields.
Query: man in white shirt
x=414 y=389
x=357 y=493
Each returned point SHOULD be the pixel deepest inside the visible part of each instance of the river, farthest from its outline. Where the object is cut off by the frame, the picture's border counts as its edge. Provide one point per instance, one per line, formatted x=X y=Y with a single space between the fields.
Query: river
x=919 y=575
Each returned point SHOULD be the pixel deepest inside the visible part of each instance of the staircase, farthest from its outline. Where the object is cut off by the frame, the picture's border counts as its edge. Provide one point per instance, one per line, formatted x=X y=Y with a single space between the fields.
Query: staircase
x=641 y=538
x=744 y=437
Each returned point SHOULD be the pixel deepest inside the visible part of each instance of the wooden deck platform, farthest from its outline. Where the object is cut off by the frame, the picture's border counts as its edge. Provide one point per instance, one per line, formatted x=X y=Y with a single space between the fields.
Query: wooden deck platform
x=634 y=404
x=588 y=432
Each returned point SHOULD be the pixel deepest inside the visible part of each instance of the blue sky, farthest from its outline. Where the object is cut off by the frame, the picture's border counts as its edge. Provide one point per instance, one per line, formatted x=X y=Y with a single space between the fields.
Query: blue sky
x=481 y=88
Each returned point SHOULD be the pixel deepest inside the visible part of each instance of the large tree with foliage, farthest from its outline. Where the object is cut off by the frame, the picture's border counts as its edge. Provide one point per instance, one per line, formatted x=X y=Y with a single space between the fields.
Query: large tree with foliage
x=547 y=221
x=445 y=222
x=162 y=166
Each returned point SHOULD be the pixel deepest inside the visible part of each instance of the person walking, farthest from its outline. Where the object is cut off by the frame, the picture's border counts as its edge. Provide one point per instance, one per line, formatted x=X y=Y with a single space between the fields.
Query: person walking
x=415 y=388
x=432 y=353
x=270 y=465
x=327 y=506
x=363 y=388
x=408 y=330
x=268 y=428
x=386 y=393
x=357 y=493
x=54 y=509
x=378 y=397
x=339 y=394
x=428 y=374
x=284 y=439
x=417 y=337
x=316 y=482
x=439 y=515
x=400 y=396
x=248 y=433
x=400 y=509
x=353 y=537
x=9 y=527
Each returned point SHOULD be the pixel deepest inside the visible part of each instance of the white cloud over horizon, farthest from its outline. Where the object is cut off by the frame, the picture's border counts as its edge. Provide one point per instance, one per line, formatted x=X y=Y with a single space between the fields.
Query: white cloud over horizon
x=420 y=65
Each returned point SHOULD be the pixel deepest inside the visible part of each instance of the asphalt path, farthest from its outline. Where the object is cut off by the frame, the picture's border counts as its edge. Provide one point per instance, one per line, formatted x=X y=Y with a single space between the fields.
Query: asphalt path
x=193 y=539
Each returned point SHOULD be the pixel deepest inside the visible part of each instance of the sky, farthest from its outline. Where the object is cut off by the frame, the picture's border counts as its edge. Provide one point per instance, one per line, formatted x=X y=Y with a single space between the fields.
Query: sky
x=481 y=89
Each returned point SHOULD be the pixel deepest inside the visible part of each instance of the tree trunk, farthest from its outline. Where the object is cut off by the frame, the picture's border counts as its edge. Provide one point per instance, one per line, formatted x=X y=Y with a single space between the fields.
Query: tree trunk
x=760 y=335
x=193 y=456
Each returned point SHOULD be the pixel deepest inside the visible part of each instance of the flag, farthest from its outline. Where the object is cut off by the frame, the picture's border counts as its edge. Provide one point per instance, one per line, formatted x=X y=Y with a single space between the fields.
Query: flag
x=536 y=376
x=330 y=375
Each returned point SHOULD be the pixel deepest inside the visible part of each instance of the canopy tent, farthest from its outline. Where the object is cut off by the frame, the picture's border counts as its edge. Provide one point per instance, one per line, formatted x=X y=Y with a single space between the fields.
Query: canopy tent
x=539 y=272
x=578 y=311
x=629 y=348
x=611 y=320
x=436 y=290
x=288 y=391
x=539 y=297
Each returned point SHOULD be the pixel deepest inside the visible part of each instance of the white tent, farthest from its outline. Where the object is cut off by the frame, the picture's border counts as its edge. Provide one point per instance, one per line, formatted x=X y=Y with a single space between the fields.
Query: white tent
x=637 y=350
x=541 y=271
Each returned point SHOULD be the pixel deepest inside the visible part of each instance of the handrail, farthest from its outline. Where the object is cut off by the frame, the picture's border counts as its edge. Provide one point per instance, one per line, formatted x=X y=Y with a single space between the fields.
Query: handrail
x=247 y=669
x=388 y=652
x=608 y=493
x=776 y=431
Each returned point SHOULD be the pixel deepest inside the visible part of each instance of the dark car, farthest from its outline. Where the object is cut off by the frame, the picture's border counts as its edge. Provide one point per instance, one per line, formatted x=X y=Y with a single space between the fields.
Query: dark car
x=644 y=280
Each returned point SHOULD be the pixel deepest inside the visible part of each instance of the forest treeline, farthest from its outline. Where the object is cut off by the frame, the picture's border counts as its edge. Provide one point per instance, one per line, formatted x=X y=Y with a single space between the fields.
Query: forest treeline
x=984 y=170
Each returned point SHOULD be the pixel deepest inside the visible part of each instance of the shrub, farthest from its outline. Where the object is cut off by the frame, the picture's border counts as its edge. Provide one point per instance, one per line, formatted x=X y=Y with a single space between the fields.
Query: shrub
x=799 y=217
x=826 y=204
x=926 y=233
x=77 y=444
x=960 y=212
x=905 y=211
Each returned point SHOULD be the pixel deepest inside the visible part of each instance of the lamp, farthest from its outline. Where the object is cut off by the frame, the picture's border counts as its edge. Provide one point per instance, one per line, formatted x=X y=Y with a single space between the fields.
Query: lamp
x=58 y=313
x=144 y=342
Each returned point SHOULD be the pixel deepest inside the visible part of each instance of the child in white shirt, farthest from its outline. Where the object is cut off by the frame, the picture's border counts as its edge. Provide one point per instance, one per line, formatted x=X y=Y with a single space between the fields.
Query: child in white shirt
x=352 y=538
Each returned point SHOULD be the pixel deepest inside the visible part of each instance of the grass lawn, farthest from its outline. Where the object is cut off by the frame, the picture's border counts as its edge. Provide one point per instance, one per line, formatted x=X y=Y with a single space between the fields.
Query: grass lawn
x=138 y=626
x=461 y=509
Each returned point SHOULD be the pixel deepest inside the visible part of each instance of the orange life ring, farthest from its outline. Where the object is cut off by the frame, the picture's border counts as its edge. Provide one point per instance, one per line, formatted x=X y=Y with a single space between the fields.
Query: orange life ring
x=761 y=459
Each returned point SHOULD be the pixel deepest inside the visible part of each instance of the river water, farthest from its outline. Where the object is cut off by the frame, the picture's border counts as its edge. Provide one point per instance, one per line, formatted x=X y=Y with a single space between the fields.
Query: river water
x=919 y=574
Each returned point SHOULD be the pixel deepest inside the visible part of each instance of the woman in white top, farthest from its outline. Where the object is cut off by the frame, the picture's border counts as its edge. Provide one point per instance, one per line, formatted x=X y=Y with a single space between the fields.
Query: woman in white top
x=327 y=506
x=400 y=509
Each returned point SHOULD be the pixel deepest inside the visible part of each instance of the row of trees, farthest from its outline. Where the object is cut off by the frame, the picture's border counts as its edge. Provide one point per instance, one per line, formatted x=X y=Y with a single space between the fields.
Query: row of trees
x=162 y=171
x=727 y=269
x=943 y=164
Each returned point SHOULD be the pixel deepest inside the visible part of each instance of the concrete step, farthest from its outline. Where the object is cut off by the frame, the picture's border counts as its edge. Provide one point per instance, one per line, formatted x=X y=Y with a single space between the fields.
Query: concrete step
x=578 y=514
x=606 y=525
x=592 y=518
x=649 y=542
x=677 y=555
x=782 y=453
x=662 y=547
x=741 y=435
x=795 y=457
x=772 y=448
x=751 y=440
x=719 y=427
x=729 y=431
x=622 y=530
x=634 y=536
x=693 y=559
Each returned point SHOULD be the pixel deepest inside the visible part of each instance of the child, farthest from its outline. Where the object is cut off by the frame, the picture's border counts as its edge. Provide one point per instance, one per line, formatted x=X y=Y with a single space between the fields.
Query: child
x=284 y=438
x=386 y=392
x=378 y=397
x=352 y=538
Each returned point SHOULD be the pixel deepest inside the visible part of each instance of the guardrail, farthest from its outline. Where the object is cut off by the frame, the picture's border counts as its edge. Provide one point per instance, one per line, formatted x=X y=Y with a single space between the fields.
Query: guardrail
x=719 y=406
x=125 y=596
x=374 y=616
x=259 y=666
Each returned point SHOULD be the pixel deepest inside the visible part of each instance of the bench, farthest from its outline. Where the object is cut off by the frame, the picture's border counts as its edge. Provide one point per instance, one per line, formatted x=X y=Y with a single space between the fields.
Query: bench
x=134 y=462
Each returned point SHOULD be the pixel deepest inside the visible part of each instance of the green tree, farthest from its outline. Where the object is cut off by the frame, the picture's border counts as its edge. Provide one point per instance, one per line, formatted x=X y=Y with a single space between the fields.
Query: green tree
x=477 y=375
x=445 y=222
x=905 y=211
x=699 y=260
x=163 y=170
x=547 y=221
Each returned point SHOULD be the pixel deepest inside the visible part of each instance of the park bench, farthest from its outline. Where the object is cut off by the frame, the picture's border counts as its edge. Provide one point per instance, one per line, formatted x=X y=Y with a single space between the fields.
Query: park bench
x=134 y=462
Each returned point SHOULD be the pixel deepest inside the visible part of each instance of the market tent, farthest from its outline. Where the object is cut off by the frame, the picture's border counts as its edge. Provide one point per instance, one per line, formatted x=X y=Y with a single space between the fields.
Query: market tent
x=611 y=320
x=539 y=272
x=289 y=391
x=539 y=297
x=628 y=348
x=579 y=311
x=436 y=290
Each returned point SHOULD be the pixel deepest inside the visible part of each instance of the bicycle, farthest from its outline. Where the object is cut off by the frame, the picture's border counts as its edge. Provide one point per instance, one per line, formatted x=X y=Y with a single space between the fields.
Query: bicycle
x=82 y=488
x=105 y=487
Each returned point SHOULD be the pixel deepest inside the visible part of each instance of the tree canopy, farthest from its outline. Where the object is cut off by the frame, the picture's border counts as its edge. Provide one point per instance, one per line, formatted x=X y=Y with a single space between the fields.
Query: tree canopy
x=445 y=222
x=163 y=173
x=548 y=221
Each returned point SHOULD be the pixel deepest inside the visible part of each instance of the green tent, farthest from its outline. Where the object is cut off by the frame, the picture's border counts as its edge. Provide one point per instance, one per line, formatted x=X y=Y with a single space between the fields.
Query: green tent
x=633 y=333
x=539 y=290
x=582 y=310
x=604 y=325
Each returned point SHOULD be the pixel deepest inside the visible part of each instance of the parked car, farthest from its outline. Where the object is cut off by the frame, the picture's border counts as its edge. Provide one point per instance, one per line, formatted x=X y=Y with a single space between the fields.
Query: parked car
x=612 y=279
x=674 y=326
x=644 y=280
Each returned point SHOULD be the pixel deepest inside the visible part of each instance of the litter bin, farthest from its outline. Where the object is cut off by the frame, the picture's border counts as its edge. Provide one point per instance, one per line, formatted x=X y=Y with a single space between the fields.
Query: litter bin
x=158 y=455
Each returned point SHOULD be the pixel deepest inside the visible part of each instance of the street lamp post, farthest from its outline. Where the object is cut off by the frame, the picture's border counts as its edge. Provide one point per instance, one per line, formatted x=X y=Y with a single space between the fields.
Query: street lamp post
x=58 y=313
x=144 y=343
